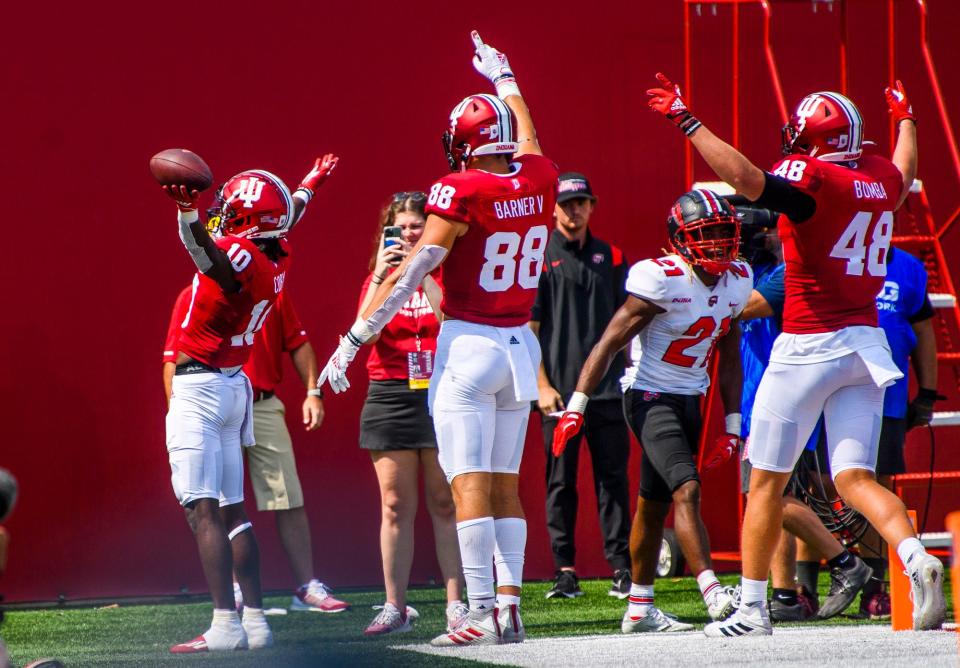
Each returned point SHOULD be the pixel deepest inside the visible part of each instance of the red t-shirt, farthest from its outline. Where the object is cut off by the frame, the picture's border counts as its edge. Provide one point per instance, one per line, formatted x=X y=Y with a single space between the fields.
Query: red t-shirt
x=219 y=328
x=282 y=332
x=388 y=358
x=837 y=259
x=491 y=275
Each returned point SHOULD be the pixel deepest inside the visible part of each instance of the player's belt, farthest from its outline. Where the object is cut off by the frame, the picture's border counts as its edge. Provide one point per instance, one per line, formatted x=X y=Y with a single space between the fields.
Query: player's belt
x=194 y=366
x=261 y=395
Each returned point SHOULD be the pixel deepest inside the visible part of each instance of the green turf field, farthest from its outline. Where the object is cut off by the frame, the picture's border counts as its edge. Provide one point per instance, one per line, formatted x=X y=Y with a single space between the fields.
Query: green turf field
x=140 y=635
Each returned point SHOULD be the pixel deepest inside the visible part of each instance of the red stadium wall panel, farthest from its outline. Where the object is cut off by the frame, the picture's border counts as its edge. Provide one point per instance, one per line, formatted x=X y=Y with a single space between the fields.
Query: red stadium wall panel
x=92 y=93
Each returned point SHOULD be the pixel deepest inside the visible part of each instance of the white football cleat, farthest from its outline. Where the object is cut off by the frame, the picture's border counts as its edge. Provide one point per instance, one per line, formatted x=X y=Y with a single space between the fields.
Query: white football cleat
x=748 y=620
x=456 y=613
x=926 y=590
x=722 y=602
x=511 y=626
x=475 y=629
x=655 y=621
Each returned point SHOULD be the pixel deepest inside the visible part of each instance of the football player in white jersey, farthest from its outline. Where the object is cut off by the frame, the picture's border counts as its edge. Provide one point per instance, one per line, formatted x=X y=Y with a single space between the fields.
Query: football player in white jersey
x=679 y=308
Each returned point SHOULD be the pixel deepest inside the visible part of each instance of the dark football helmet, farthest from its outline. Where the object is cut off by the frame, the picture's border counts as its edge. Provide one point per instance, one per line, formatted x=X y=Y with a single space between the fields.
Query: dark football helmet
x=704 y=230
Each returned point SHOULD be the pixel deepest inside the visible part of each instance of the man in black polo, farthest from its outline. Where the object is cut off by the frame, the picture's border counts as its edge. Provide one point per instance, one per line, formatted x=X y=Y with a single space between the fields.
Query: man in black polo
x=580 y=289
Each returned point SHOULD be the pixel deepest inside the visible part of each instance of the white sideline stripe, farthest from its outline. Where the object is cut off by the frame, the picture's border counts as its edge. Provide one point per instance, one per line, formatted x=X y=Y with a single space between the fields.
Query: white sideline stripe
x=721 y=188
x=808 y=647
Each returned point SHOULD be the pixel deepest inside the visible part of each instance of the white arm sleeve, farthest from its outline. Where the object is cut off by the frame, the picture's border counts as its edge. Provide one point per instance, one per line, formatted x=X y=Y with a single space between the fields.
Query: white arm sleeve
x=199 y=256
x=426 y=260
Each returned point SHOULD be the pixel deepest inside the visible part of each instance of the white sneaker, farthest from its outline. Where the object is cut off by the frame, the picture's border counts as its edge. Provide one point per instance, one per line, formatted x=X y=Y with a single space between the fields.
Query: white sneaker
x=722 y=602
x=316 y=597
x=475 y=629
x=456 y=613
x=656 y=620
x=926 y=590
x=511 y=626
x=389 y=620
x=259 y=635
x=748 y=620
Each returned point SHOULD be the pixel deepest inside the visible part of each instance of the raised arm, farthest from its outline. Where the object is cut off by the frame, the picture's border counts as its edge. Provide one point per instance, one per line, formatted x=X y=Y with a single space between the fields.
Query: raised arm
x=494 y=65
x=322 y=168
x=728 y=163
x=905 y=152
x=209 y=259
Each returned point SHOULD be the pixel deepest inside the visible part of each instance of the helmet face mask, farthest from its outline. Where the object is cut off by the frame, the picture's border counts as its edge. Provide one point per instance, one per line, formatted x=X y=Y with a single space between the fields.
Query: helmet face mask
x=705 y=231
x=254 y=204
x=826 y=126
x=479 y=125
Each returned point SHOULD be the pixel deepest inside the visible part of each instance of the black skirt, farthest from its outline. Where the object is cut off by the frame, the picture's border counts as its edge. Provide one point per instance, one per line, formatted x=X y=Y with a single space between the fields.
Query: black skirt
x=394 y=417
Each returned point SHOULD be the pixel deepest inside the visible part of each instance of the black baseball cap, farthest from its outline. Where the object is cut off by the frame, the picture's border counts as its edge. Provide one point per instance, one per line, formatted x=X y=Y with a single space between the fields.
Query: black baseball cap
x=573 y=185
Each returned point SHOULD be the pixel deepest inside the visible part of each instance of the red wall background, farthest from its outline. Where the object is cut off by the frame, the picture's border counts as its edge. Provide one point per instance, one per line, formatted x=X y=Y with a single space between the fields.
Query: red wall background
x=94 y=262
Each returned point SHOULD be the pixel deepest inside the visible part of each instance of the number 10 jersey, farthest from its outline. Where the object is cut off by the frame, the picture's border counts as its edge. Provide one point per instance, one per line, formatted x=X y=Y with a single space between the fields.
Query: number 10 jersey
x=491 y=275
x=672 y=353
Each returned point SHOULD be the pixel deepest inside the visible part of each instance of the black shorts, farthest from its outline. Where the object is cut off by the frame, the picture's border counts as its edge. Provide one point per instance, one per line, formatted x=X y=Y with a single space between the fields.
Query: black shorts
x=394 y=417
x=668 y=428
x=890 y=461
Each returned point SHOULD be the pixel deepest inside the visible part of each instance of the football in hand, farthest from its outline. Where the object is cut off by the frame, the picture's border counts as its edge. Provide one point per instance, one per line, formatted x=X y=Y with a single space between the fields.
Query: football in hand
x=178 y=166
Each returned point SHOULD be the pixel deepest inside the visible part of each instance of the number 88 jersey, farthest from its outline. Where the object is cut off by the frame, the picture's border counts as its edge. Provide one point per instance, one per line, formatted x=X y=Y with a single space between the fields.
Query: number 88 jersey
x=219 y=328
x=836 y=259
x=491 y=274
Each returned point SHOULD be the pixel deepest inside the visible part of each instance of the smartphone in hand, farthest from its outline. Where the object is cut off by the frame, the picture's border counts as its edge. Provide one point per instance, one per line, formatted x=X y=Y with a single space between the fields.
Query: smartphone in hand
x=391 y=235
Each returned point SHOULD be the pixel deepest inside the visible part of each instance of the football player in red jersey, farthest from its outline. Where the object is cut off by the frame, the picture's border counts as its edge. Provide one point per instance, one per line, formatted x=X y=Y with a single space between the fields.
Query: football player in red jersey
x=239 y=277
x=488 y=222
x=831 y=358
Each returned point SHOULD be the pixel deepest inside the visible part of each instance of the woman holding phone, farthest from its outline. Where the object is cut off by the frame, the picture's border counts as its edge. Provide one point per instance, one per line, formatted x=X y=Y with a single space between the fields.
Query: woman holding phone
x=396 y=428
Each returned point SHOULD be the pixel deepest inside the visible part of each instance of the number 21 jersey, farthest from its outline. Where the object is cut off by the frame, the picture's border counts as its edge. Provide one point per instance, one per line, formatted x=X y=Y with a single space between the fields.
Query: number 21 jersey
x=672 y=353
x=219 y=328
x=491 y=274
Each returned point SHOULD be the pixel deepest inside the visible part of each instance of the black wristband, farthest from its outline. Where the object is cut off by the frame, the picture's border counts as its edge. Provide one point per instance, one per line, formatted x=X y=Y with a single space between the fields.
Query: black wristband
x=687 y=122
x=928 y=394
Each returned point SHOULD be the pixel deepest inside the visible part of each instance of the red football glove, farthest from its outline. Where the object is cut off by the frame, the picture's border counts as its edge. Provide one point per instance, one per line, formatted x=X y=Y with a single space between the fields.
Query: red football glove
x=186 y=199
x=567 y=427
x=724 y=448
x=321 y=170
x=899 y=104
x=669 y=102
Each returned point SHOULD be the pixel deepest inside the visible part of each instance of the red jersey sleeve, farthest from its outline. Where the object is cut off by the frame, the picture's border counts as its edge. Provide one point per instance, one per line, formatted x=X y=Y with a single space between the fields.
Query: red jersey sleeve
x=451 y=197
x=294 y=335
x=802 y=171
x=180 y=308
x=240 y=252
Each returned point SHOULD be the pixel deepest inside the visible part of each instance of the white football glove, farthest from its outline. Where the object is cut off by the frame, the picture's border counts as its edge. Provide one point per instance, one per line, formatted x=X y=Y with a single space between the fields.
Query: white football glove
x=494 y=65
x=335 y=372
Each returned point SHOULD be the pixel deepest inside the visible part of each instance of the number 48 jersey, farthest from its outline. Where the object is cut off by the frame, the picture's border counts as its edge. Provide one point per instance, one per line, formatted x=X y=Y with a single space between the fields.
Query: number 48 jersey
x=491 y=275
x=836 y=259
x=671 y=354
x=219 y=328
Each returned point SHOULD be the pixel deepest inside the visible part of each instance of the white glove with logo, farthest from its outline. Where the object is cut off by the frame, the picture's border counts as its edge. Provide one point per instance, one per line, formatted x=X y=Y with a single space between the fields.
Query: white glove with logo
x=335 y=372
x=494 y=65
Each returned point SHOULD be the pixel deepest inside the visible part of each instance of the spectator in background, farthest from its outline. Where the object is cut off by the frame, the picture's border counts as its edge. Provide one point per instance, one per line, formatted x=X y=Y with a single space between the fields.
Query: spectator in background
x=271 y=463
x=580 y=289
x=395 y=426
x=906 y=316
